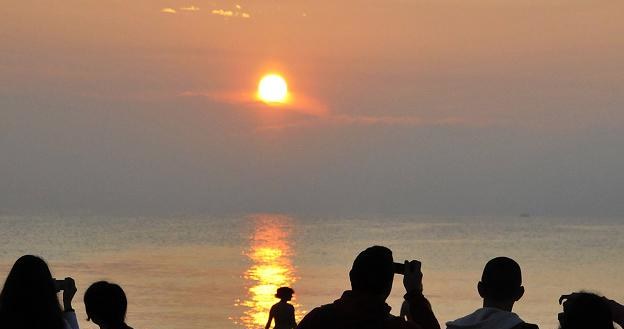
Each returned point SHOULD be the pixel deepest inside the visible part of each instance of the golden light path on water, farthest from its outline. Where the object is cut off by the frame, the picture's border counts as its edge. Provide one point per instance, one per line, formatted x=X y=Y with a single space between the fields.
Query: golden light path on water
x=270 y=252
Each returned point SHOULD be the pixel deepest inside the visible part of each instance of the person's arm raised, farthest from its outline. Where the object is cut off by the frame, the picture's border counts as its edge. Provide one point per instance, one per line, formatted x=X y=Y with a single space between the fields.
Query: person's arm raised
x=617 y=310
x=69 y=292
x=69 y=315
x=419 y=307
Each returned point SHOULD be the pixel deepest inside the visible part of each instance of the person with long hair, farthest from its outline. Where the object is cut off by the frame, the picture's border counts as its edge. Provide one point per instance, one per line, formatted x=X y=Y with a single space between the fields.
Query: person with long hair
x=29 y=298
x=106 y=305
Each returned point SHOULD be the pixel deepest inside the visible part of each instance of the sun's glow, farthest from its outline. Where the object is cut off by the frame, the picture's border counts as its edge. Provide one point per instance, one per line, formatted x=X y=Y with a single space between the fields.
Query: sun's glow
x=273 y=89
x=271 y=254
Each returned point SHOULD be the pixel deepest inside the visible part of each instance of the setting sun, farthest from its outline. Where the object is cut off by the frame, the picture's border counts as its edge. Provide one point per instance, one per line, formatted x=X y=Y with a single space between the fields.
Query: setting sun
x=273 y=89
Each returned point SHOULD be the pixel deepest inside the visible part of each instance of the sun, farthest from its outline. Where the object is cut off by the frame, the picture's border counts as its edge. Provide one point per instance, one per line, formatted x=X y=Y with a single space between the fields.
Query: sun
x=273 y=89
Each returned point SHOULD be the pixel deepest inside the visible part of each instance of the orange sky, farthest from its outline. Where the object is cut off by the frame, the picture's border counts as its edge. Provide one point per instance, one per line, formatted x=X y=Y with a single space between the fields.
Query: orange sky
x=141 y=77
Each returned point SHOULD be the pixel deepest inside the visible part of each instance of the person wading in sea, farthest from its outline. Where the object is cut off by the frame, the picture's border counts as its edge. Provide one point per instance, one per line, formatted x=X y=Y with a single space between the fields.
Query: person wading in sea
x=282 y=312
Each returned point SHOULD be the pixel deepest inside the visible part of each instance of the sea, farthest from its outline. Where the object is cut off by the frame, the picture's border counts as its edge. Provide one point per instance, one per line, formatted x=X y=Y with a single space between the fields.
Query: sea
x=192 y=272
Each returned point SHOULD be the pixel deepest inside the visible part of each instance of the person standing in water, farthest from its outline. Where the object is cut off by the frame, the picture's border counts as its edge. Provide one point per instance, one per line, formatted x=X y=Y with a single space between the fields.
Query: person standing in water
x=283 y=312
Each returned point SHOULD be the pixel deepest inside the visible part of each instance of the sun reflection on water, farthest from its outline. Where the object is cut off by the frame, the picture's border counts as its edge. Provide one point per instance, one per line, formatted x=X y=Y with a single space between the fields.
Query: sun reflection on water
x=270 y=252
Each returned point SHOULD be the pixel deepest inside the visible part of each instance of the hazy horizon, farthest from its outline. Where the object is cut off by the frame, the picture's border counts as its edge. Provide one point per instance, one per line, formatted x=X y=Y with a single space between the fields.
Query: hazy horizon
x=427 y=107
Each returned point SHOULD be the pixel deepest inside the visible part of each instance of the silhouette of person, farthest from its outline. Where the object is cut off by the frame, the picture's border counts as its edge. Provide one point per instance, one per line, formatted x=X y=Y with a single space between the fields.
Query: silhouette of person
x=586 y=310
x=282 y=312
x=28 y=299
x=106 y=305
x=364 y=306
x=500 y=287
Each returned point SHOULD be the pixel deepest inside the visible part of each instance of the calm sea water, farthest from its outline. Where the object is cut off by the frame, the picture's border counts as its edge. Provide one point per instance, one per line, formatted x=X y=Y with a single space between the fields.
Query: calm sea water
x=208 y=272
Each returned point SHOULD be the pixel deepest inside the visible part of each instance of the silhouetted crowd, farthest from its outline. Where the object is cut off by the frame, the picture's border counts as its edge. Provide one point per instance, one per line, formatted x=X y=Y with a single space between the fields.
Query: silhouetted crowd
x=29 y=300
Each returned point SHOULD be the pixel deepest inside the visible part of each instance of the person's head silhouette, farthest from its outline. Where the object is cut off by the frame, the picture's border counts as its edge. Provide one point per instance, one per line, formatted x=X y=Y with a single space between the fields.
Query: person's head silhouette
x=585 y=310
x=106 y=305
x=500 y=287
x=284 y=293
x=28 y=298
x=372 y=272
x=501 y=283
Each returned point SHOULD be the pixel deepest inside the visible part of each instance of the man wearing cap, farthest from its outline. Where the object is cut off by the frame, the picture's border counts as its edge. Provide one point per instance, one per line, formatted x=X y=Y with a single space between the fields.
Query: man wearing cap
x=500 y=287
x=364 y=306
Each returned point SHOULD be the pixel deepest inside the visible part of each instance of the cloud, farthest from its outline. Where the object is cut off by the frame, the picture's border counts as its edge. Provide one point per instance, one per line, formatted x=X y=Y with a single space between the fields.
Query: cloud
x=234 y=13
x=226 y=97
x=189 y=8
x=297 y=103
x=366 y=121
x=230 y=13
x=310 y=112
x=410 y=120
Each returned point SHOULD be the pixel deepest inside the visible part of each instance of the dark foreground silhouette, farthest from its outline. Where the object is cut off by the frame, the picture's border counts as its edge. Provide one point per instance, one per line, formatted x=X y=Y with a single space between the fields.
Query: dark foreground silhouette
x=28 y=299
x=106 y=305
x=364 y=306
x=583 y=310
x=500 y=287
x=282 y=312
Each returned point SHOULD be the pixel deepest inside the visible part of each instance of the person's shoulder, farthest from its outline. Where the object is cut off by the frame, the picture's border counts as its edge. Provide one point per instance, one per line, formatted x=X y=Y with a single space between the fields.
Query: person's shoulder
x=323 y=309
x=316 y=318
x=322 y=313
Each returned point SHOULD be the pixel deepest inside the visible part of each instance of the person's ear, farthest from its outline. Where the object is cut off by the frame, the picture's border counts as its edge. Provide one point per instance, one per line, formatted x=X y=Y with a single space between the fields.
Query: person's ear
x=481 y=288
x=519 y=293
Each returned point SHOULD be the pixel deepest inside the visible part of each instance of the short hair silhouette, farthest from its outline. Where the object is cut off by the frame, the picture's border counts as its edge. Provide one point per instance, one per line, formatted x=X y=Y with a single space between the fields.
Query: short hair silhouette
x=373 y=271
x=501 y=280
x=28 y=298
x=284 y=293
x=106 y=303
x=586 y=310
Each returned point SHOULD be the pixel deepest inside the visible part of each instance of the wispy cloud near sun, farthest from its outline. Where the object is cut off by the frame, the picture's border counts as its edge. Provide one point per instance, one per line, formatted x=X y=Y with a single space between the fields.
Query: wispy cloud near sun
x=168 y=11
x=230 y=13
x=312 y=112
x=189 y=8
x=234 y=12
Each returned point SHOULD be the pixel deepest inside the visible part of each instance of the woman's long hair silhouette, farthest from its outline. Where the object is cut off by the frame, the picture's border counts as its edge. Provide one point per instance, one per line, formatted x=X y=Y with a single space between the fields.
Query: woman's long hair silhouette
x=28 y=298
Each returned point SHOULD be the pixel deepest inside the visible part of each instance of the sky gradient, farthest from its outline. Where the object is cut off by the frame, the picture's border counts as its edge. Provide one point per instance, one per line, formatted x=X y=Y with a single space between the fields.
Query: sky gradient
x=441 y=107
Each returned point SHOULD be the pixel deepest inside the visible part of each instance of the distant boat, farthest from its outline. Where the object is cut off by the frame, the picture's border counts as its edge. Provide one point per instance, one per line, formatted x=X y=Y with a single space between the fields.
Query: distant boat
x=525 y=215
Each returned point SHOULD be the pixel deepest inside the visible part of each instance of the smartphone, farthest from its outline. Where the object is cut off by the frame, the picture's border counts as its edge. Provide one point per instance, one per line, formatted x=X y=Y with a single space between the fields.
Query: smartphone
x=59 y=285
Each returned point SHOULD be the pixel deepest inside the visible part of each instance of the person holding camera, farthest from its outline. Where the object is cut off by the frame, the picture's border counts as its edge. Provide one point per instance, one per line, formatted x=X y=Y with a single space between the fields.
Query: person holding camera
x=364 y=306
x=500 y=287
x=29 y=298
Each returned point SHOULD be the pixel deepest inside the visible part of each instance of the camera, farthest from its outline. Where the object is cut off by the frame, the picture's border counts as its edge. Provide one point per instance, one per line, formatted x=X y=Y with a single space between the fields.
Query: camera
x=399 y=268
x=59 y=284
